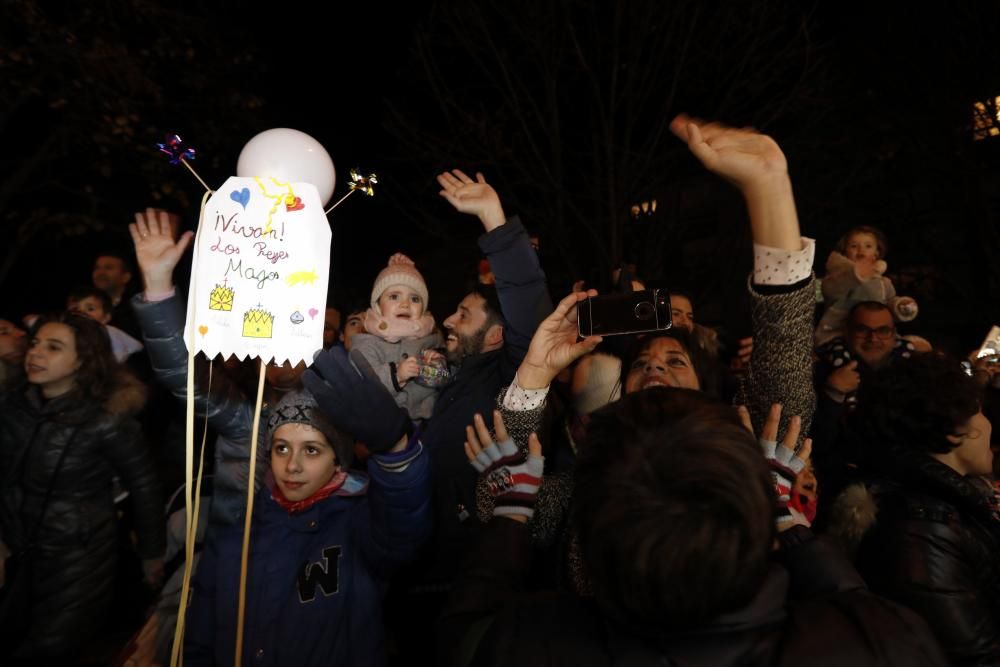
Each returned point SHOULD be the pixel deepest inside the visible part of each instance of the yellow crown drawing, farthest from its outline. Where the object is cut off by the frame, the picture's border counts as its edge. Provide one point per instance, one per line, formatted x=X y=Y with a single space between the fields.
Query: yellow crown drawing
x=221 y=298
x=257 y=323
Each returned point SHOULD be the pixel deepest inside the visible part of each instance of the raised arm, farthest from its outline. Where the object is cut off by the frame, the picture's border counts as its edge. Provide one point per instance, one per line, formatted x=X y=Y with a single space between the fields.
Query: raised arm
x=520 y=281
x=161 y=316
x=156 y=251
x=781 y=288
x=754 y=163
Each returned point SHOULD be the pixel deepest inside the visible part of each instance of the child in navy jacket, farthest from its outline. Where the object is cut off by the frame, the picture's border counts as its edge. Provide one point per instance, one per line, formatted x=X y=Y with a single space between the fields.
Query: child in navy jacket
x=322 y=544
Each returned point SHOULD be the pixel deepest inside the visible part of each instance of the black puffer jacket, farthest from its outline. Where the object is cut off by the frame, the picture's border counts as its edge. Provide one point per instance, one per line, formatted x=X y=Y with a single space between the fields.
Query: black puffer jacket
x=74 y=566
x=930 y=540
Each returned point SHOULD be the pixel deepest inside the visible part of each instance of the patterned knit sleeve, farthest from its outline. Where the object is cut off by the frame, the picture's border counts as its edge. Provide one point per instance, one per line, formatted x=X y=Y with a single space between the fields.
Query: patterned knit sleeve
x=782 y=363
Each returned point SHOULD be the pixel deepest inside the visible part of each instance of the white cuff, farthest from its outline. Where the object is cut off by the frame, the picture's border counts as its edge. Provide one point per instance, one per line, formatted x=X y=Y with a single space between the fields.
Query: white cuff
x=774 y=266
x=523 y=400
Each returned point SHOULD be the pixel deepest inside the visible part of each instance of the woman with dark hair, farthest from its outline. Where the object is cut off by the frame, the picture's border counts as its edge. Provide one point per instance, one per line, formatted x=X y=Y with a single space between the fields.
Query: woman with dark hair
x=928 y=519
x=782 y=297
x=666 y=359
x=63 y=435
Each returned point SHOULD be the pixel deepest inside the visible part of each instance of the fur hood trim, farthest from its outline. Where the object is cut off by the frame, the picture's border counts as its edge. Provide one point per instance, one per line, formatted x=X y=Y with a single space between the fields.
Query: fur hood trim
x=128 y=395
x=852 y=514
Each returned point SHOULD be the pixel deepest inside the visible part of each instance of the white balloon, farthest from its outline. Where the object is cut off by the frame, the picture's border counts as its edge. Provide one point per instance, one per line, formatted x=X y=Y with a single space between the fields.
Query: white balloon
x=289 y=155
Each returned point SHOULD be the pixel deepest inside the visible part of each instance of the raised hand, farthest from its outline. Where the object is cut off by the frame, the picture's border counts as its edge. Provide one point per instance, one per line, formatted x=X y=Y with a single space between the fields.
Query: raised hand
x=785 y=462
x=754 y=163
x=554 y=345
x=511 y=477
x=743 y=156
x=156 y=251
x=474 y=197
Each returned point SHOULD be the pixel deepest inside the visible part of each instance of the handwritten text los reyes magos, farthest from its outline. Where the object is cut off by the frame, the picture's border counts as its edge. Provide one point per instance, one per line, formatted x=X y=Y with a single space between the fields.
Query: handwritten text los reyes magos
x=233 y=226
x=259 y=248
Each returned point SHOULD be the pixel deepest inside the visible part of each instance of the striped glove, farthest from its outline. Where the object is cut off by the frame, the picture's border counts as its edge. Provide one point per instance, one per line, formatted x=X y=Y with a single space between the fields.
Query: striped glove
x=510 y=477
x=785 y=466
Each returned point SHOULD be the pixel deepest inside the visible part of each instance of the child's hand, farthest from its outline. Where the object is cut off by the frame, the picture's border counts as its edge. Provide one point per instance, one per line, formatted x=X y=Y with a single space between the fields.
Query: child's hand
x=406 y=370
x=475 y=197
x=432 y=356
x=906 y=307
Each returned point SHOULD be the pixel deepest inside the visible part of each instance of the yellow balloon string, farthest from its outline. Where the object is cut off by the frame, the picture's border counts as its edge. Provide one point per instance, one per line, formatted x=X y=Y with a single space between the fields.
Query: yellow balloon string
x=288 y=199
x=175 y=651
x=249 y=514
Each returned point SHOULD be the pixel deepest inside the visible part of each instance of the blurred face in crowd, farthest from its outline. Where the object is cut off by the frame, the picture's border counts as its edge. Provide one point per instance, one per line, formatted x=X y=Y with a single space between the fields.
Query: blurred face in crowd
x=355 y=324
x=468 y=333
x=972 y=454
x=871 y=336
x=91 y=307
x=662 y=363
x=52 y=362
x=331 y=327
x=285 y=376
x=862 y=245
x=806 y=486
x=682 y=312
x=110 y=275
x=13 y=342
x=302 y=460
x=401 y=302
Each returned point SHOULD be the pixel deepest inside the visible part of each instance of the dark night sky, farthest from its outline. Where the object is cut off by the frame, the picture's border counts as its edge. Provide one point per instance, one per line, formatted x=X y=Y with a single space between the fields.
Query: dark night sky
x=331 y=70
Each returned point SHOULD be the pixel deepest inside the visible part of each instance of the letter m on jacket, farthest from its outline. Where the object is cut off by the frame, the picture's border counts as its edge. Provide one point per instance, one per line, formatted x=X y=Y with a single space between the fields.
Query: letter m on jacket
x=325 y=574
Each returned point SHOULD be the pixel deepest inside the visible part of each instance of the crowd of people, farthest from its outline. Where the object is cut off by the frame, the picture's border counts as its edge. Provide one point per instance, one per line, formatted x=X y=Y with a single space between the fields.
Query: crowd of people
x=494 y=488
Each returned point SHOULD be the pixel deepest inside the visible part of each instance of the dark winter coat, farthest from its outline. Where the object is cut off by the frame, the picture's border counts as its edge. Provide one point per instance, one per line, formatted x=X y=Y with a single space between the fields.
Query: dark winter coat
x=338 y=621
x=74 y=566
x=525 y=302
x=930 y=539
x=812 y=610
x=315 y=579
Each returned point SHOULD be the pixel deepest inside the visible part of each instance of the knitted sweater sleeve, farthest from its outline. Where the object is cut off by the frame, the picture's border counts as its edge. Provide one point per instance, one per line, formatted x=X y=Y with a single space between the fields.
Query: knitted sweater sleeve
x=781 y=366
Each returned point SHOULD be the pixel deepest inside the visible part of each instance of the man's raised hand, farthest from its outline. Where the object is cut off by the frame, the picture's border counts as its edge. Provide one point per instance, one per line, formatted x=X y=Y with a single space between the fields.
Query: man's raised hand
x=475 y=197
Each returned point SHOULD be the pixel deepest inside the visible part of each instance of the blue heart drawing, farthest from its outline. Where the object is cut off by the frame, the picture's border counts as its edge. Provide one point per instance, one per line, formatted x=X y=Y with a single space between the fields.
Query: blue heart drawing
x=241 y=197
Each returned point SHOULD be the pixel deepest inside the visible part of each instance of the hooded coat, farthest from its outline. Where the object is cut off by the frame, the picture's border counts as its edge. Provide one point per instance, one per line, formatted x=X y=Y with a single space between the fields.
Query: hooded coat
x=929 y=538
x=73 y=571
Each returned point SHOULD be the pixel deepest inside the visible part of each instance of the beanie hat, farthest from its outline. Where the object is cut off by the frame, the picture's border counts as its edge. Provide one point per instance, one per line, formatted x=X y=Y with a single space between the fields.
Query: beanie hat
x=299 y=407
x=400 y=271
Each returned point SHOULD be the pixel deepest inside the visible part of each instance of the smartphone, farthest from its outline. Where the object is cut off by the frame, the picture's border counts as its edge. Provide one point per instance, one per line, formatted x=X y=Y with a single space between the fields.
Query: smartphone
x=617 y=314
x=991 y=346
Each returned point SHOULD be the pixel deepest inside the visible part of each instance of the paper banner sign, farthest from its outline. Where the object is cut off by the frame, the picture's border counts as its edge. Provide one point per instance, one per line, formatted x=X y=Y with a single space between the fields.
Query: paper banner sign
x=260 y=272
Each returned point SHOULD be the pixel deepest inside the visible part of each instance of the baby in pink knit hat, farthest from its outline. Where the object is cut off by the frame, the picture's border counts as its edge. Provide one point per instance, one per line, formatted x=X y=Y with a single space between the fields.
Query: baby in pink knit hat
x=400 y=348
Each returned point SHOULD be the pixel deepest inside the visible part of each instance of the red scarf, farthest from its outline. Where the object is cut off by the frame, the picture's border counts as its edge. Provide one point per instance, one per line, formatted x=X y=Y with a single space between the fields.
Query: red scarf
x=293 y=507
